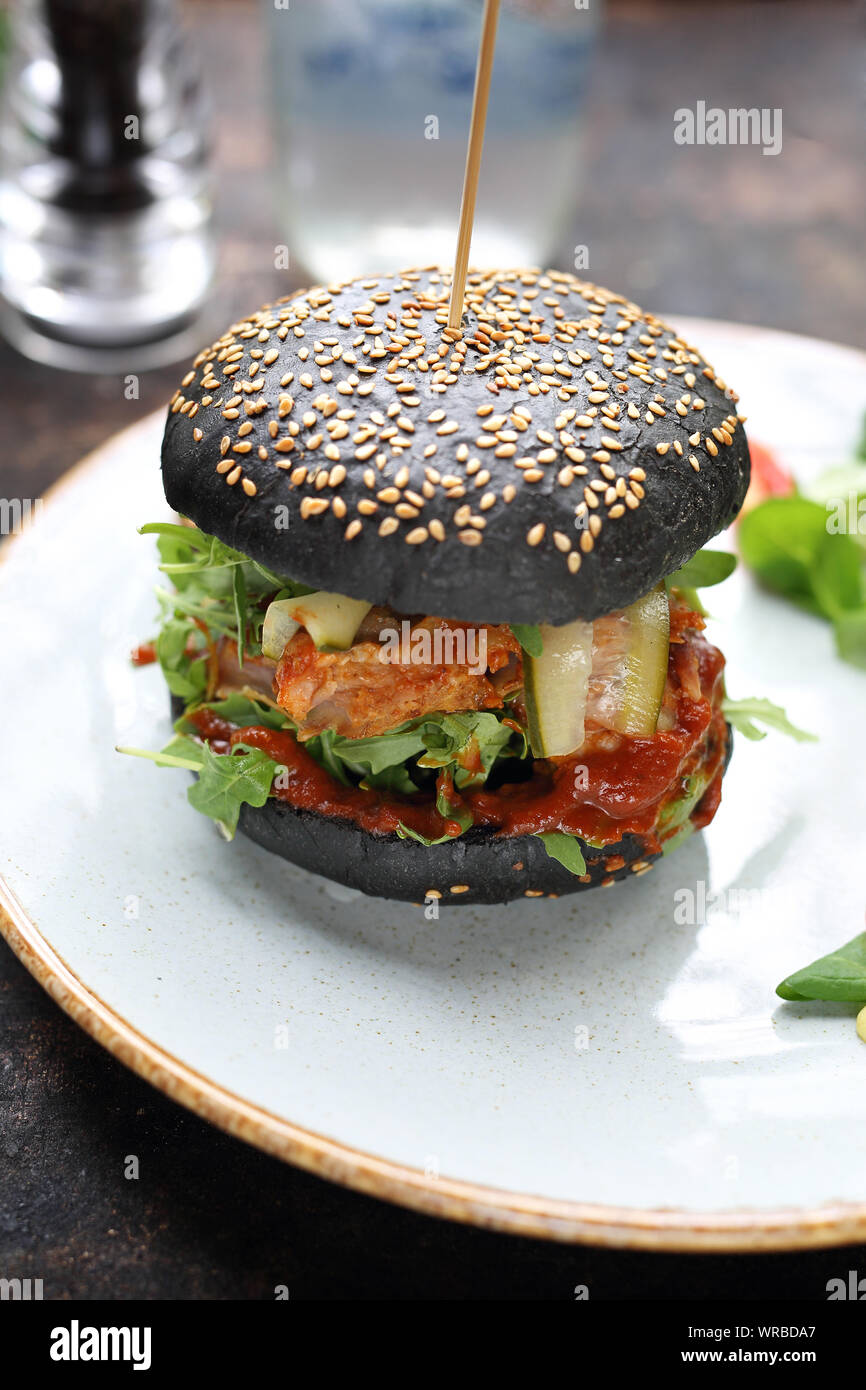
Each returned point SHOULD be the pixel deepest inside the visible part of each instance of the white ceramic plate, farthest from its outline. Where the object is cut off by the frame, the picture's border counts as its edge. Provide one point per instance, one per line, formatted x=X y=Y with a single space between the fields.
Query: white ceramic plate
x=588 y=1069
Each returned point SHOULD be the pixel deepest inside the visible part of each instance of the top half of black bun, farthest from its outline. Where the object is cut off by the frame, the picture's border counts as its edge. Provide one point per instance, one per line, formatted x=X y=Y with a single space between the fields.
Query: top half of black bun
x=554 y=460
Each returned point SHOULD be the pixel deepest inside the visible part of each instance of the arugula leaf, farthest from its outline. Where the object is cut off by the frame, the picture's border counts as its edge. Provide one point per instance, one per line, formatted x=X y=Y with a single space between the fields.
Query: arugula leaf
x=471 y=741
x=180 y=752
x=321 y=747
x=225 y=780
x=185 y=673
x=705 y=568
x=382 y=750
x=840 y=976
x=390 y=779
x=239 y=599
x=743 y=713
x=565 y=849
x=228 y=780
x=204 y=552
x=238 y=709
x=447 y=806
x=691 y=599
x=406 y=833
x=215 y=585
x=677 y=812
x=211 y=612
x=682 y=832
x=529 y=637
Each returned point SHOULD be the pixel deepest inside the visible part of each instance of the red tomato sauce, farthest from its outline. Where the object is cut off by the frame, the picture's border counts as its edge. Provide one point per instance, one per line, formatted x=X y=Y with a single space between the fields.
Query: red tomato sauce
x=598 y=795
x=144 y=654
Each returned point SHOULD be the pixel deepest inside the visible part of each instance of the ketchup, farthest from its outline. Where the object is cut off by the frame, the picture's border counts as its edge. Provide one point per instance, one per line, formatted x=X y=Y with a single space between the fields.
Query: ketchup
x=144 y=654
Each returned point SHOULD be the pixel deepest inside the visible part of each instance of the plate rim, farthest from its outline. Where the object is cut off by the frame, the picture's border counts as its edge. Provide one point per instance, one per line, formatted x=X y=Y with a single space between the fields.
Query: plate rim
x=668 y=1229
x=475 y=1204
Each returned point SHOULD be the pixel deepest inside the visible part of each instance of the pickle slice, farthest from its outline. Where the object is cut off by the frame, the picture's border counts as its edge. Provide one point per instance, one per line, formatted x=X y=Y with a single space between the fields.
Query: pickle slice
x=331 y=620
x=629 y=666
x=555 y=689
x=278 y=629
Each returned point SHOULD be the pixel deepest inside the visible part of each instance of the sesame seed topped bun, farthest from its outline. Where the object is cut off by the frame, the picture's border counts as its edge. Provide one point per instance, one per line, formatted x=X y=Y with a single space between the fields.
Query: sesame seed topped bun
x=552 y=460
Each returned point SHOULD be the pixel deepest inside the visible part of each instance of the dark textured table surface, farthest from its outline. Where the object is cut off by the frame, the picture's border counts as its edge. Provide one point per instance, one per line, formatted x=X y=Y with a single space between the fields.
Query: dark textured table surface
x=764 y=240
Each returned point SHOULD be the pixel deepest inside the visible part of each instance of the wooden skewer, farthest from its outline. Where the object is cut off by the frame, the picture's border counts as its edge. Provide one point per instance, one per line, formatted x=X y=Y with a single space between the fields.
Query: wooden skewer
x=473 y=159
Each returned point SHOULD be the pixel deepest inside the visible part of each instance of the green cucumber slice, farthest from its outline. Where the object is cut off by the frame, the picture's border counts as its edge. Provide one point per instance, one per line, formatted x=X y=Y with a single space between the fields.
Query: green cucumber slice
x=629 y=666
x=331 y=619
x=556 y=685
x=278 y=628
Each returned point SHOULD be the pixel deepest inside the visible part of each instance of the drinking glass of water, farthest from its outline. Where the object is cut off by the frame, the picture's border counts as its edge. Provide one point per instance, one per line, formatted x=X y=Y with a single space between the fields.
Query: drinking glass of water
x=372 y=102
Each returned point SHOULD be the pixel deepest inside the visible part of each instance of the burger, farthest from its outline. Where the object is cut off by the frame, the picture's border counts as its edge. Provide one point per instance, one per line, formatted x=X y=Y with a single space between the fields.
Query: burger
x=429 y=618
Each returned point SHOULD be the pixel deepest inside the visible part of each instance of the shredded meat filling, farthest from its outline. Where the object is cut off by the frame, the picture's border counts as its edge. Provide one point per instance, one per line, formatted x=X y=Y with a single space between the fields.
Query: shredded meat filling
x=361 y=692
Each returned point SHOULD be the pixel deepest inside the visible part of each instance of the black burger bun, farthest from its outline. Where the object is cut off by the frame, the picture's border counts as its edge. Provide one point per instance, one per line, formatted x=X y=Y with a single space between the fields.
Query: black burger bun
x=553 y=461
x=476 y=867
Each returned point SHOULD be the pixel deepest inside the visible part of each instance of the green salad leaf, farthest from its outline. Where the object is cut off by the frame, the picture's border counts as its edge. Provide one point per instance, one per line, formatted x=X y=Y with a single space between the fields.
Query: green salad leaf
x=839 y=976
x=677 y=812
x=850 y=631
x=184 y=667
x=566 y=849
x=321 y=747
x=228 y=780
x=467 y=745
x=405 y=832
x=225 y=780
x=239 y=709
x=792 y=547
x=742 y=714
x=374 y=755
x=179 y=752
x=449 y=807
x=529 y=637
x=213 y=585
x=704 y=569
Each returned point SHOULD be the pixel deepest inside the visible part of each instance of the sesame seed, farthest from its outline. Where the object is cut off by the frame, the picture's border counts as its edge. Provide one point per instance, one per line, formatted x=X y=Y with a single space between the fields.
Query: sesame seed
x=313 y=506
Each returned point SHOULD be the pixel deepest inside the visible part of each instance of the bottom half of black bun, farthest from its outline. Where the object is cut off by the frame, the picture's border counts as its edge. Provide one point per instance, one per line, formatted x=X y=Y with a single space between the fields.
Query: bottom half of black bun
x=476 y=867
